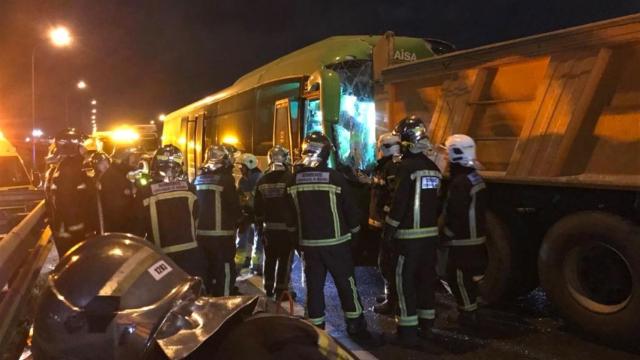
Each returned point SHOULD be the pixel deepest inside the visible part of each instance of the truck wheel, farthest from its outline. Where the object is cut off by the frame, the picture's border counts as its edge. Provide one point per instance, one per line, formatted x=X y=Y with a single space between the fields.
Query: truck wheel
x=495 y=283
x=589 y=265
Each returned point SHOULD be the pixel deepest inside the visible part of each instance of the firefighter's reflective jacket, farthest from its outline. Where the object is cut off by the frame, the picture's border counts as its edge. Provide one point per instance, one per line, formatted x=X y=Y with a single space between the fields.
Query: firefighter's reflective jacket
x=465 y=208
x=218 y=202
x=167 y=215
x=382 y=188
x=325 y=210
x=414 y=209
x=271 y=200
x=71 y=197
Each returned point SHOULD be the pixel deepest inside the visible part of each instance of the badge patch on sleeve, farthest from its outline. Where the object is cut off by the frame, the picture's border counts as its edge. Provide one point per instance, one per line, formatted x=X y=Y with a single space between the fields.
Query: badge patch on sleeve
x=429 y=182
x=312 y=177
x=159 y=269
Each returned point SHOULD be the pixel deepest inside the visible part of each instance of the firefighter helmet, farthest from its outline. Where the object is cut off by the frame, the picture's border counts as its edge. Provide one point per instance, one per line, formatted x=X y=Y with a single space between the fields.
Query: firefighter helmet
x=233 y=152
x=316 y=149
x=108 y=309
x=216 y=157
x=461 y=149
x=249 y=160
x=167 y=163
x=413 y=134
x=279 y=158
x=66 y=143
x=389 y=144
x=127 y=156
x=99 y=159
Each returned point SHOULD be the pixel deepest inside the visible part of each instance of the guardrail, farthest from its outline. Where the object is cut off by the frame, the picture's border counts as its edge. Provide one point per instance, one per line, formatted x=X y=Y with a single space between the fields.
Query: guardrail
x=22 y=253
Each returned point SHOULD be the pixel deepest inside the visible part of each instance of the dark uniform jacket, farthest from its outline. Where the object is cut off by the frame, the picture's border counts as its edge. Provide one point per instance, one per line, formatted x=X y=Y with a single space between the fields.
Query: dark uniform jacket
x=219 y=208
x=116 y=196
x=271 y=200
x=382 y=189
x=326 y=211
x=167 y=214
x=71 y=200
x=465 y=208
x=414 y=209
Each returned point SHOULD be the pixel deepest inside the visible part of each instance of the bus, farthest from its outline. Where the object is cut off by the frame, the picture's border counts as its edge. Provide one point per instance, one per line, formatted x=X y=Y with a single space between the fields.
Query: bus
x=327 y=86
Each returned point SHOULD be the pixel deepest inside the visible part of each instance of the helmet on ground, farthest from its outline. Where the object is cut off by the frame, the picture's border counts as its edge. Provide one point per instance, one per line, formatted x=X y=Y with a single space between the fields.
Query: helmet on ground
x=461 y=149
x=278 y=157
x=249 y=160
x=99 y=161
x=413 y=134
x=389 y=144
x=216 y=157
x=66 y=143
x=109 y=309
x=316 y=148
x=167 y=163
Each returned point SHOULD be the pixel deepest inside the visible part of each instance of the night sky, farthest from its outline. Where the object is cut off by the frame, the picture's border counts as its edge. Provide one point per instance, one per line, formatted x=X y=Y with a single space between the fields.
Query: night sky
x=143 y=57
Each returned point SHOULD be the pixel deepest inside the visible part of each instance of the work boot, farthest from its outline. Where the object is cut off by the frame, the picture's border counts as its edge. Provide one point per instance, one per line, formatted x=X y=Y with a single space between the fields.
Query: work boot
x=426 y=325
x=357 y=330
x=387 y=307
x=468 y=319
x=406 y=337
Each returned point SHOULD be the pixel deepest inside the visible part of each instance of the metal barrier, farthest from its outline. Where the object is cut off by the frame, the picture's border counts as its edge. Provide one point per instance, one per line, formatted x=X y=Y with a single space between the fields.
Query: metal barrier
x=22 y=253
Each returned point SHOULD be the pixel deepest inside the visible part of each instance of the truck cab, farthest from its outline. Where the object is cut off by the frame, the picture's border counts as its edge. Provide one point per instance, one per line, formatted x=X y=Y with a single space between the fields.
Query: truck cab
x=18 y=193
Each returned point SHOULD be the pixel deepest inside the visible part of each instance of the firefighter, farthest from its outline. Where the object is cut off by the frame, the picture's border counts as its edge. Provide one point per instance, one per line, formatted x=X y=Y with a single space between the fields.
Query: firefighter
x=118 y=192
x=99 y=163
x=327 y=219
x=465 y=227
x=167 y=211
x=411 y=230
x=250 y=251
x=70 y=192
x=383 y=184
x=219 y=212
x=271 y=205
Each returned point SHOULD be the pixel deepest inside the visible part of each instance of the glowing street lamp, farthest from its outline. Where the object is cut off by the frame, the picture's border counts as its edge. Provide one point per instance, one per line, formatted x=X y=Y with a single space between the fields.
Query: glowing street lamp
x=94 y=102
x=36 y=133
x=81 y=84
x=161 y=117
x=60 y=36
x=93 y=117
x=94 y=111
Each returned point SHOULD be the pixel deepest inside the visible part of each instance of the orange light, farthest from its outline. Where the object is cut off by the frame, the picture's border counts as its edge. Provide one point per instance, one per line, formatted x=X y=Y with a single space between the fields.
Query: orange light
x=60 y=36
x=230 y=139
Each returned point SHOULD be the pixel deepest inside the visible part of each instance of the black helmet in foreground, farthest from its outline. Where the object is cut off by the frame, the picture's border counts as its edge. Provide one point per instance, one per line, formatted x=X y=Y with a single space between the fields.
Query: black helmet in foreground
x=413 y=134
x=167 y=163
x=316 y=149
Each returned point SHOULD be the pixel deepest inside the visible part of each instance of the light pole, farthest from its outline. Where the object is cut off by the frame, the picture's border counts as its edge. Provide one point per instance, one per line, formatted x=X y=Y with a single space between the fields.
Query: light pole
x=81 y=85
x=59 y=37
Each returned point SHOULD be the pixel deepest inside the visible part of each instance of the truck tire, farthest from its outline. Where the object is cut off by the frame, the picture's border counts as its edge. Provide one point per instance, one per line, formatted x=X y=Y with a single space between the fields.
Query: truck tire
x=589 y=265
x=494 y=286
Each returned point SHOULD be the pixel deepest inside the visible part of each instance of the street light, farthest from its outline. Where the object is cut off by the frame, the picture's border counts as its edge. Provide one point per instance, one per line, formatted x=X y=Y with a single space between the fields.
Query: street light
x=59 y=36
x=93 y=117
x=161 y=117
x=81 y=85
x=94 y=101
x=94 y=111
x=36 y=133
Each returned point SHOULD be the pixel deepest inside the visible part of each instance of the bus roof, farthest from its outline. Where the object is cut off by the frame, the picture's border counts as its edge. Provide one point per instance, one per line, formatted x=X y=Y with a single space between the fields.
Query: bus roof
x=309 y=59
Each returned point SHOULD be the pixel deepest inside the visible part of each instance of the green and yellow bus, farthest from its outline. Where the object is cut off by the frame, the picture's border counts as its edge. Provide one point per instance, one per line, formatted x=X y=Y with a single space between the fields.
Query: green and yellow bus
x=326 y=86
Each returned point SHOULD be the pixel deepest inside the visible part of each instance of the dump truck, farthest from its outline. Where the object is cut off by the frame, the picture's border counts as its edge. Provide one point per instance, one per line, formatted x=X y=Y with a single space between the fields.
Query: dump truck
x=556 y=119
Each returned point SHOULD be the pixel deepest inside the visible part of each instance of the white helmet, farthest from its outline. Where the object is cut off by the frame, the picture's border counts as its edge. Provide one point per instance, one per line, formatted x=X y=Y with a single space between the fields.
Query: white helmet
x=389 y=144
x=461 y=150
x=249 y=160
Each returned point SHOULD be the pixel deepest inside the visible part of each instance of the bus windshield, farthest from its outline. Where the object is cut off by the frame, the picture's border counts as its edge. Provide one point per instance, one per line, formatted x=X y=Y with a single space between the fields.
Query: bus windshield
x=355 y=132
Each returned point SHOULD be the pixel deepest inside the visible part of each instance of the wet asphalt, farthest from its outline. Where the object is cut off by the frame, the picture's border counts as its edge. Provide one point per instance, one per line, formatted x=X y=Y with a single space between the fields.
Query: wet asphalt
x=526 y=328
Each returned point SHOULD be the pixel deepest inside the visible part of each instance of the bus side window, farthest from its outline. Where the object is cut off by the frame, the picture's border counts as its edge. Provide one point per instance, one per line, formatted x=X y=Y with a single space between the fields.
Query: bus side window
x=312 y=116
x=281 y=124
